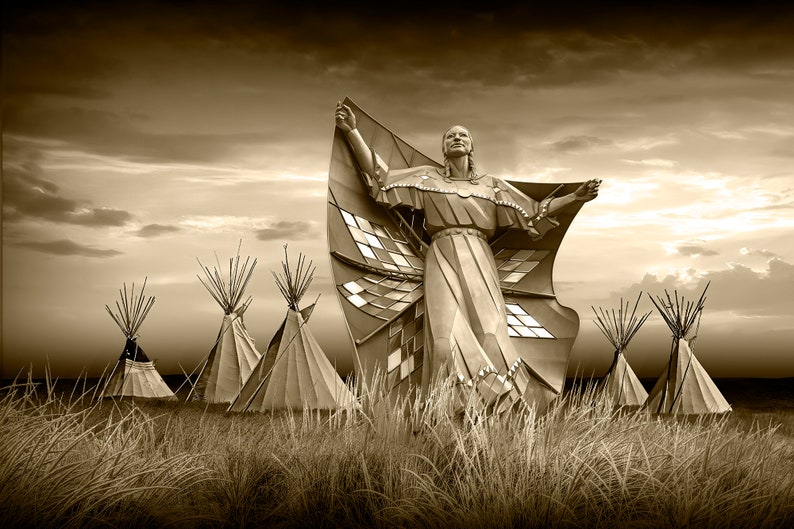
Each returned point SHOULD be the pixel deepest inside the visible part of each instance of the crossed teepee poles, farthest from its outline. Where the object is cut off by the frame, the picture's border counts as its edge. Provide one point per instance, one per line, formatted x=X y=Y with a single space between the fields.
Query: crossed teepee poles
x=620 y=383
x=229 y=363
x=134 y=375
x=684 y=386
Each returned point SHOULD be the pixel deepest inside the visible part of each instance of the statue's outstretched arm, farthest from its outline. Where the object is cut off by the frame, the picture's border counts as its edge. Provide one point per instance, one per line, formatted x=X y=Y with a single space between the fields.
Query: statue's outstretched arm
x=584 y=193
x=346 y=121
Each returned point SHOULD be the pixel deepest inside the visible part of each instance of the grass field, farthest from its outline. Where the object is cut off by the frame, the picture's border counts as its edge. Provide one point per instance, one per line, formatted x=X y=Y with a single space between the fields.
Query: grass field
x=69 y=461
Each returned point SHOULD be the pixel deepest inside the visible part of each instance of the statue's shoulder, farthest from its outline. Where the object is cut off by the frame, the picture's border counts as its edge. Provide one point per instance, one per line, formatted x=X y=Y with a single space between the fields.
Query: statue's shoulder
x=417 y=174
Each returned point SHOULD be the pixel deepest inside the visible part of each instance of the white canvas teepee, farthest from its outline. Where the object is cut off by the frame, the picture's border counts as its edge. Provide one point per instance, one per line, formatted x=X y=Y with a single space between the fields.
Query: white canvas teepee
x=294 y=372
x=234 y=355
x=620 y=385
x=684 y=386
x=134 y=375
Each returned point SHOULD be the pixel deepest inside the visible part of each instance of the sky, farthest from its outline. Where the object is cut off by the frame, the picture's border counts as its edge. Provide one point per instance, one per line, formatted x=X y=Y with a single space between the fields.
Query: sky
x=139 y=138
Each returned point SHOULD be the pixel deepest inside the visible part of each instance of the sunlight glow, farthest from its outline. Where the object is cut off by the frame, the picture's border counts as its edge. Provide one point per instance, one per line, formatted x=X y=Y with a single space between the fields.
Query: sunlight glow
x=625 y=192
x=725 y=134
x=533 y=173
x=645 y=144
x=171 y=279
x=222 y=221
x=781 y=131
x=60 y=159
x=652 y=162
x=313 y=178
x=687 y=277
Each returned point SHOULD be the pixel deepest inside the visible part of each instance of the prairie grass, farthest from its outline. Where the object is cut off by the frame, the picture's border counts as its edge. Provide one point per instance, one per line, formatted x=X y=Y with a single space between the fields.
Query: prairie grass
x=68 y=460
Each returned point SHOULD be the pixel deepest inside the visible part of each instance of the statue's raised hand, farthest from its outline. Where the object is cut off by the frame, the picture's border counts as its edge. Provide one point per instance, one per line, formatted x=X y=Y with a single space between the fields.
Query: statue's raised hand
x=345 y=119
x=587 y=191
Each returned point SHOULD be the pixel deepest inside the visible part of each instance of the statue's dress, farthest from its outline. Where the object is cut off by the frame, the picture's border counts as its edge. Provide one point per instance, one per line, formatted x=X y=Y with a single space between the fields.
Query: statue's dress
x=465 y=317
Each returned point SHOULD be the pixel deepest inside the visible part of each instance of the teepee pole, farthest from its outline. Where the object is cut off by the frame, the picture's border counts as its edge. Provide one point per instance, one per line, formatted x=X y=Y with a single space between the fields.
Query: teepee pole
x=619 y=327
x=293 y=286
x=228 y=292
x=681 y=316
x=131 y=311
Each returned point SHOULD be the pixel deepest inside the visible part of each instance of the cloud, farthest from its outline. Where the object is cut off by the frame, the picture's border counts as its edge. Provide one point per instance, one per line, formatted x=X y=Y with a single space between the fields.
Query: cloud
x=652 y=162
x=26 y=195
x=694 y=250
x=221 y=222
x=116 y=134
x=783 y=149
x=579 y=143
x=745 y=291
x=34 y=67
x=737 y=288
x=761 y=253
x=67 y=247
x=287 y=230
x=780 y=205
x=60 y=56
x=155 y=230
x=488 y=45
x=98 y=217
x=531 y=45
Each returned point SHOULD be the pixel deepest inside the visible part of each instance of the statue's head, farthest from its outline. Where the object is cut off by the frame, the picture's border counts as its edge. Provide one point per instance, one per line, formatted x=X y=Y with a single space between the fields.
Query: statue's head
x=457 y=142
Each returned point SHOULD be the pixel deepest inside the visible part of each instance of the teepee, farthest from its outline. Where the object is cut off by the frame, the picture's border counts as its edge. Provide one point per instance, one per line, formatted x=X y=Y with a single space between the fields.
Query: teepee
x=234 y=355
x=684 y=386
x=620 y=385
x=294 y=372
x=134 y=375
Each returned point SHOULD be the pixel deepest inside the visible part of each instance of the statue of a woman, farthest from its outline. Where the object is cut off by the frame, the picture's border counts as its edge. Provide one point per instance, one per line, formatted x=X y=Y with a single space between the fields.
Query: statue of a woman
x=465 y=320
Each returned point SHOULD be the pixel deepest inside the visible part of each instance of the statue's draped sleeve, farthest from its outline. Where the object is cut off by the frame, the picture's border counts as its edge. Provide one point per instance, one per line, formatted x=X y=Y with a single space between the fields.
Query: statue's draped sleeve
x=397 y=187
x=522 y=212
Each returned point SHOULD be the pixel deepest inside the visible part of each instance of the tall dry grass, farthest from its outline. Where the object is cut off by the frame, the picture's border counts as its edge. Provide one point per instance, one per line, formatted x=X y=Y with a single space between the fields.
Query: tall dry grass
x=67 y=460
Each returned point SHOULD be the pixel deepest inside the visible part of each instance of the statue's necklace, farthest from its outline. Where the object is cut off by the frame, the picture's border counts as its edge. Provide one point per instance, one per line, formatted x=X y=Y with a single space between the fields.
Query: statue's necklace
x=473 y=179
x=463 y=192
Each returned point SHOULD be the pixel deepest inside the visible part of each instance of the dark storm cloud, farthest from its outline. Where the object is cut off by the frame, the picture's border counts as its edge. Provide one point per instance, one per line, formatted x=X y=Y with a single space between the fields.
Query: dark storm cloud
x=537 y=45
x=37 y=66
x=738 y=289
x=485 y=44
x=694 y=250
x=66 y=247
x=26 y=195
x=579 y=143
x=79 y=51
x=287 y=230
x=155 y=230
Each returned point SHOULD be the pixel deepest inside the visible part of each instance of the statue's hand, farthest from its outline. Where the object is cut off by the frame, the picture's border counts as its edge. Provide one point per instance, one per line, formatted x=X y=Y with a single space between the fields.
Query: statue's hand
x=587 y=191
x=345 y=119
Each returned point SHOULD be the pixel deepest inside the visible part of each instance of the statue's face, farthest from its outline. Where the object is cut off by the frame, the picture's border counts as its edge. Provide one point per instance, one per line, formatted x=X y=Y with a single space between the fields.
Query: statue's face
x=457 y=142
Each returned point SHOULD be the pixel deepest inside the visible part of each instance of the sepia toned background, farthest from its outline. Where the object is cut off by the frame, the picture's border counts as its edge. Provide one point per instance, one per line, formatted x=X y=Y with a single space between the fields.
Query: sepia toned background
x=140 y=137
